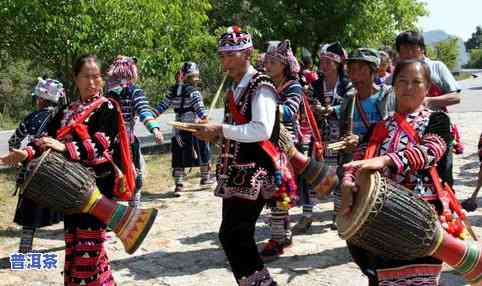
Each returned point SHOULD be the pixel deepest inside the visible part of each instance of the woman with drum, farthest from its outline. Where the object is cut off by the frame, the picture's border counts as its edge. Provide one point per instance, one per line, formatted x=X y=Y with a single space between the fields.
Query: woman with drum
x=408 y=148
x=91 y=131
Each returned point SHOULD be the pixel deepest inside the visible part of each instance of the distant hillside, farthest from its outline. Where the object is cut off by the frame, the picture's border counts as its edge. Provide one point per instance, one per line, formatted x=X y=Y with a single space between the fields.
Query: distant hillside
x=435 y=36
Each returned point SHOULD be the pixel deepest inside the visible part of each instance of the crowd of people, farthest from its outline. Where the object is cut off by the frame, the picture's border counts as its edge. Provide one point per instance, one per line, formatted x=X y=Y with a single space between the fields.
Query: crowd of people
x=369 y=110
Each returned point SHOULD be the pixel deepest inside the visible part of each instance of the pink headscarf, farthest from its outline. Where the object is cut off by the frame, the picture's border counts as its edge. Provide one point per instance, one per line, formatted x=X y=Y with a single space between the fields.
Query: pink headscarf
x=123 y=72
x=284 y=54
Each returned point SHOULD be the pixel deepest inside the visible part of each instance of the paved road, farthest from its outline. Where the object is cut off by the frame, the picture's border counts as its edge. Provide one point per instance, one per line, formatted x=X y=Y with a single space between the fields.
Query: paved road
x=471 y=95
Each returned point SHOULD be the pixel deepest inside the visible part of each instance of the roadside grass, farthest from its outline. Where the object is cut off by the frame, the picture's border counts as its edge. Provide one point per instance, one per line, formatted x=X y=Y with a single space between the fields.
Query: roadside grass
x=8 y=204
x=157 y=181
x=463 y=76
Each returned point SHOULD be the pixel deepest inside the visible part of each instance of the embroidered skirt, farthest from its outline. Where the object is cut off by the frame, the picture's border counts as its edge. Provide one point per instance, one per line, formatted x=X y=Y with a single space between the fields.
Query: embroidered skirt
x=86 y=261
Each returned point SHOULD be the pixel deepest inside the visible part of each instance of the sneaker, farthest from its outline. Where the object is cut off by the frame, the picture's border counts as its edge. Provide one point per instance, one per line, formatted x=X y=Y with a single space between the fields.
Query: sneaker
x=303 y=225
x=273 y=249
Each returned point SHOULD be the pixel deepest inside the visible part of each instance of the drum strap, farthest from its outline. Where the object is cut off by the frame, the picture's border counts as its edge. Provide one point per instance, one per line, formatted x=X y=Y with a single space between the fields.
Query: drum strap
x=125 y=180
x=444 y=192
x=380 y=132
x=318 y=144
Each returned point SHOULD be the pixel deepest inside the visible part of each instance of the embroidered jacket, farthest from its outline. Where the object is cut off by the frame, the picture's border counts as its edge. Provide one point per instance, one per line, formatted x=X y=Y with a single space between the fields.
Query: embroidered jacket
x=412 y=160
x=34 y=125
x=244 y=169
x=93 y=145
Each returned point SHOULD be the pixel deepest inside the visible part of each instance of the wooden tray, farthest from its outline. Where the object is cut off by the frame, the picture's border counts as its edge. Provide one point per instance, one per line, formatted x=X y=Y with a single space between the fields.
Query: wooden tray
x=190 y=127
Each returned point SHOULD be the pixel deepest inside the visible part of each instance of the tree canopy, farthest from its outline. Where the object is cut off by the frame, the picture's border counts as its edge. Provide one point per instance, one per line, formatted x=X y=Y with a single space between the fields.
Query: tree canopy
x=161 y=34
x=475 y=40
x=446 y=51
x=311 y=22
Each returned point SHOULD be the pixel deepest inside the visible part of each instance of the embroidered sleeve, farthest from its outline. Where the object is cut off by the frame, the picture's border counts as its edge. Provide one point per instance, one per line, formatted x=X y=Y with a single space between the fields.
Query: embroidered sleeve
x=72 y=151
x=33 y=149
x=434 y=144
x=419 y=156
x=28 y=126
x=349 y=173
x=30 y=153
x=141 y=105
x=102 y=128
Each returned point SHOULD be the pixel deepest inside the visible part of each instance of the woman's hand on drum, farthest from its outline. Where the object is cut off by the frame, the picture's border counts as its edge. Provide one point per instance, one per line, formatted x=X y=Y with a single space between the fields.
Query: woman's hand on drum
x=49 y=142
x=376 y=163
x=347 y=189
x=14 y=157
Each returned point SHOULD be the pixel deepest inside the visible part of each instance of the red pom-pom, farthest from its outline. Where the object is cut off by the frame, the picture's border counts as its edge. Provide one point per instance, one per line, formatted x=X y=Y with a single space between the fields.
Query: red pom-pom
x=236 y=29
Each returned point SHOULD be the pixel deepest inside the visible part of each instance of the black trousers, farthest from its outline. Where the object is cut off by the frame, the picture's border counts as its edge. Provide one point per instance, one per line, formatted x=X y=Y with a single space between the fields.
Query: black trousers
x=237 y=235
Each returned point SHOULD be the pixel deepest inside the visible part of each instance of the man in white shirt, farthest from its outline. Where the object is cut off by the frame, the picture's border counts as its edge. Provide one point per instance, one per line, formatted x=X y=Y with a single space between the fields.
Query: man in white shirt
x=245 y=171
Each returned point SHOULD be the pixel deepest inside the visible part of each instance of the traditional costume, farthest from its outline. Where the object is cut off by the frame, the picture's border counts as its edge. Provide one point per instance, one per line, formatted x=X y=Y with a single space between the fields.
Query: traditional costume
x=121 y=86
x=290 y=97
x=94 y=134
x=187 y=150
x=415 y=142
x=307 y=74
x=323 y=96
x=248 y=171
x=28 y=214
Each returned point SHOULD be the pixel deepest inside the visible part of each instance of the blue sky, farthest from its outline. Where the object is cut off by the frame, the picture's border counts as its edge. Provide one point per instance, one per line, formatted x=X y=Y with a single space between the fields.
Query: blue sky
x=456 y=17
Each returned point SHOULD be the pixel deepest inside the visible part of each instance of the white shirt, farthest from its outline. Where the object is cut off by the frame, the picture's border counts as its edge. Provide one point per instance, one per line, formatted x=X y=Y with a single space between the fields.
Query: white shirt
x=263 y=114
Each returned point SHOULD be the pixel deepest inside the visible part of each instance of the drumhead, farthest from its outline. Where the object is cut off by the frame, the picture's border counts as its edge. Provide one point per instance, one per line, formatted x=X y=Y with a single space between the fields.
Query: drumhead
x=368 y=183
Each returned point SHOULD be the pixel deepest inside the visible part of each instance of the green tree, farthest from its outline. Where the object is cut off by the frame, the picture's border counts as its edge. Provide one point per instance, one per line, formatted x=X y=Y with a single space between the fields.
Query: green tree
x=475 y=41
x=308 y=23
x=446 y=51
x=475 y=59
x=17 y=78
x=161 y=34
